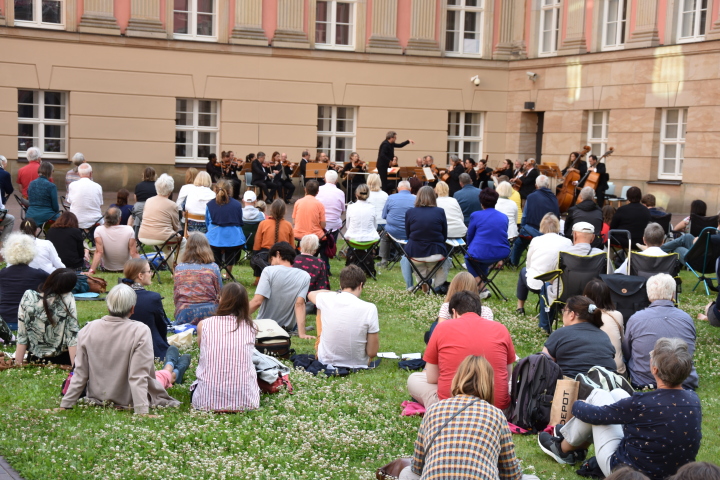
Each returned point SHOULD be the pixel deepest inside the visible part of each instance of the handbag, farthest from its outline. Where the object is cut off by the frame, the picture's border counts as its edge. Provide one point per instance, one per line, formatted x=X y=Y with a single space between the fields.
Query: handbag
x=96 y=284
x=277 y=385
x=330 y=245
x=271 y=339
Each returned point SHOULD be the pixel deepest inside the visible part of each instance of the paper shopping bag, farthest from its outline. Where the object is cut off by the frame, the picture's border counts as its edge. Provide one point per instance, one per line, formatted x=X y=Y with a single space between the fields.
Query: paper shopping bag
x=566 y=392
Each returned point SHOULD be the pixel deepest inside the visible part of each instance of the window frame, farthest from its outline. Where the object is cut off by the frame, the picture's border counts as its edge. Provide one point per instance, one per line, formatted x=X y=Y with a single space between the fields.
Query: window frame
x=41 y=122
x=697 y=11
x=461 y=139
x=554 y=9
x=37 y=14
x=196 y=129
x=605 y=125
x=334 y=134
x=621 y=21
x=332 y=26
x=192 y=23
x=679 y=142
x=463 y=9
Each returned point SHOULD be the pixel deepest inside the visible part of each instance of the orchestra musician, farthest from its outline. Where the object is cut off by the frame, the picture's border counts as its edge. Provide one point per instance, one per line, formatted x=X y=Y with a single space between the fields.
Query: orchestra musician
x=350 y=180
x=484 y=174
x=213 y=168
x=518 y=169
x=385 y=153
x=262 y=177
x=322 y=157
x=470 y=164
x=283 y=170
x=453 y=175
x=505 y=169
x=230 y=166
x=527 y=178
x=303 y=164
x=580 y=165
x=428 y=161
x=602 y=186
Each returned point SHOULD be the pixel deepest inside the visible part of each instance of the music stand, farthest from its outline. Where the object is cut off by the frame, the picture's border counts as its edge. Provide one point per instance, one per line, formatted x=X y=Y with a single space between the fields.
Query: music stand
x=406 y=172
x=420 y=174
x=315 y=170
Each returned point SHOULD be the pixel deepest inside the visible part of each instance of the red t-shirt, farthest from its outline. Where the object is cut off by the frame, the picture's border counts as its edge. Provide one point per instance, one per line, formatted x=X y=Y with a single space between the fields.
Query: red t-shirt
x=454 y=339
x=27 y=174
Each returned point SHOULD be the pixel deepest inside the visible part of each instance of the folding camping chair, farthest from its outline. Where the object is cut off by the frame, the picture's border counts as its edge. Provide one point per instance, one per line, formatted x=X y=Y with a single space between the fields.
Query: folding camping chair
x=362 y=254
x=489 y=279
x=702 y=256
x=88 y=233
x=395 y=250
x=698 y=223
x=664 y=222
x=157 y=260
x=646 y=266
x=24 y=204
x=250 y=231
x=228 y=260
x=458 y=247
x=424 y=279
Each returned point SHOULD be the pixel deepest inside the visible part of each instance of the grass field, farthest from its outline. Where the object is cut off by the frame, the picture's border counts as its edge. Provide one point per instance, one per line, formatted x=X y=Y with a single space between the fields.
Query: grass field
x=331 y=428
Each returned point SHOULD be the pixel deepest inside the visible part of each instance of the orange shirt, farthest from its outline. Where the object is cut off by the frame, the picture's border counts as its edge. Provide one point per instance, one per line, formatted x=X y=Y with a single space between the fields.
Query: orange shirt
x=27 y=174
x=308 y=212
x=265 y=236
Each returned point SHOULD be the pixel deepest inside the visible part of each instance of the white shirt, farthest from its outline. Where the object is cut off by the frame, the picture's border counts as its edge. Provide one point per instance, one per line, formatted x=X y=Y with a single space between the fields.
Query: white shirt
x=333 y=199
x=198 y=199
x=542 y=256
x=346 y=323
x=361 y=222
x=650 y=252
x=454 y=215
x=183 y=193
x=378 y=199
x=86 y=200
x=509 y=208
x=46 y=258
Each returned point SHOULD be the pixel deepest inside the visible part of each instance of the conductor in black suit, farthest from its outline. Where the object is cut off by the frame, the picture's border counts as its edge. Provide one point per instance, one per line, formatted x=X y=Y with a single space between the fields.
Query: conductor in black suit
x=528 y=178
x=260 y=177
x=602 y=185
x=385 y=156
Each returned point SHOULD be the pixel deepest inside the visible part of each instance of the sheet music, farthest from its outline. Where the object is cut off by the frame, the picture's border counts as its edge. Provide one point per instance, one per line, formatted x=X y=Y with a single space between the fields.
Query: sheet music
x=428 y=174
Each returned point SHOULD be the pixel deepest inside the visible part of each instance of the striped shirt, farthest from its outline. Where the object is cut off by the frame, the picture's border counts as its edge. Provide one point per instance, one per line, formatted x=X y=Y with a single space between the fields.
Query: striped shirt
x=476 y=444
x=226 y=378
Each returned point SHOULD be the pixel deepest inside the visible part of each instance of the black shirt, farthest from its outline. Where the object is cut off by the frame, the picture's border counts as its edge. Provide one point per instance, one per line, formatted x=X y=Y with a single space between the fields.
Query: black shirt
x=14 y=280
x=579 y=347
x=386 y=154
x=633 y=217
x=144 y=190
x=69 y=245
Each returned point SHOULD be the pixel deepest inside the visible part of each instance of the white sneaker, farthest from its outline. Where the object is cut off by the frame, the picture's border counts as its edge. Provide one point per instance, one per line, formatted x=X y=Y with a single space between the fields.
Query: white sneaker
x=485 y=294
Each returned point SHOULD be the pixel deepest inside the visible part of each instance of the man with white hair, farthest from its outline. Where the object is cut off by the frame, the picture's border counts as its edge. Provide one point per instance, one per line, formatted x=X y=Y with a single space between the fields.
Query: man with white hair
x=585 y=211
x=114 y=361
x=6 y=186
x=29 y=172
x=72 y=175
x=85 y=198
x=333 y=199
x=538 y=203
x=661 y=319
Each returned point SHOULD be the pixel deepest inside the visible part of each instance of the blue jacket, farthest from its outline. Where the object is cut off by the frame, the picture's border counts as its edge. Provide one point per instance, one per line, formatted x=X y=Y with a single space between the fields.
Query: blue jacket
x=6 y=187
x=469 y=199
x=426 y=230
x=487 y=235
x=224 y=224
x=540 y=202
x=394 y=212
x=149 y=310
x=43 y=198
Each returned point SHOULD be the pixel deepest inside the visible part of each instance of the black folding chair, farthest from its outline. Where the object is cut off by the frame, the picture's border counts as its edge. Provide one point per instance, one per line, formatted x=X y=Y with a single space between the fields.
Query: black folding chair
x=159 y=261
x=664 y=222
x=362 y=254
x=396 y=251
x=489 y=279
x=63 y=202
x=250 y=231
x=702 y=257
x=88 y=233
x=229 y=259
x=698 y=223
x=424 y=279
x=646 y=266
x=24 y=204
x=458 y=250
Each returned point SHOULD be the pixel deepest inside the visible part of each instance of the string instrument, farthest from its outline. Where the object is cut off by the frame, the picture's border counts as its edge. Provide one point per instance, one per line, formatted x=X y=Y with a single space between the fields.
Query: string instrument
x=591 y=179
x=566 y=194
x=517 y=181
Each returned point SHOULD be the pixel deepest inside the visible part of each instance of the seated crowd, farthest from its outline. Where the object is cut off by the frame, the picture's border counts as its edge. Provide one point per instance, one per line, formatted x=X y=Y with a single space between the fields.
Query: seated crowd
x=469 y=359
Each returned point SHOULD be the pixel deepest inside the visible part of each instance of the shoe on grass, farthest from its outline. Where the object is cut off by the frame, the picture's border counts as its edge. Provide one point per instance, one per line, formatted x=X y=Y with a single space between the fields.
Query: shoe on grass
x=551 y=446
x=485 y=294
x=520 y=311
x=182 y=366
x=172 y=356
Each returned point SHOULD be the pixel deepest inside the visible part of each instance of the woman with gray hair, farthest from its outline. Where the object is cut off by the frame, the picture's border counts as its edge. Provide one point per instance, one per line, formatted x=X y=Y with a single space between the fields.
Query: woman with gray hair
x=19 y=250
x=160 y=219
x=314 y=266
x=655 y=432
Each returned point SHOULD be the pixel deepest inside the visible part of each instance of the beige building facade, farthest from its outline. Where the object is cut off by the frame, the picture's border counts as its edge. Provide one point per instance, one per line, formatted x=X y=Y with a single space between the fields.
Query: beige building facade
x=134 y=83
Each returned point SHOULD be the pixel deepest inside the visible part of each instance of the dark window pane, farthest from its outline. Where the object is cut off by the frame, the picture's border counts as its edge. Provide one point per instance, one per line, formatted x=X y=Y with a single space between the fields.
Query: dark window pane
x=343 y=13
x=204 y=151
x=205 y=25
x=342 y=35
x=54 y=113
x=26 y=96
x=25 y=143
x=51 y=11
x=181 y=150
x=53 y=98
x=27 y=111
x=181 y=5
x=23 y=10
x=180 y=22
x=53 y=131
x=321 y=12
x=206 y=6
x=182 y=136
x=26 y=130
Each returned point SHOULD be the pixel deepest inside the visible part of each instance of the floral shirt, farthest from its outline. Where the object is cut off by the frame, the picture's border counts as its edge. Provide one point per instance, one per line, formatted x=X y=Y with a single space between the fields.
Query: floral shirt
x=35 y=330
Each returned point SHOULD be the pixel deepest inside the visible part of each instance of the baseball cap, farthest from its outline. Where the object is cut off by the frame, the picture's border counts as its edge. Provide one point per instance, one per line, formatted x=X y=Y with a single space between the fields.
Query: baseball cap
x=249 y=196
x=583 y=227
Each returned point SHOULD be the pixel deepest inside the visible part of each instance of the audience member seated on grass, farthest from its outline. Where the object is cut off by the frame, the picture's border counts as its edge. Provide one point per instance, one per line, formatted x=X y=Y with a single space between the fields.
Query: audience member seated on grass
x=626 y=473
x=43 y=197
x=477 y=443
x=487 y=238
x=85 y=198
x=196 y=203
x=542 y=257
x=272 y=230
x=426 y=229
x=160 y=218
x=174 y=369
x=348 y=331
x=648 y=200
x=251 y=214
x=143 y=191
x=655 y=432
x=612 y=320
x=463 y=281
x=282 y=290
x=632 y=217
x=67 y=238
x=508 y=207
x=224 y=221
x=148 y=305
x=661 y=319
x=580 y=344
x=453 y=340
x=360 y=218
x=190 y=176
x=121 y=202
x=377 y=198
x=538 y=203
x=468 y=197
x=394 y=212
x=585 y=211
x=46 y=258
x=697 y=471
x=47 y=321
x=115 y=243
x=315 y=267
x=19 y=251
x=684 y=243
x=196 y=282
x=226 y=378
x=114 y=360
x=653 y=238
x=698 y=207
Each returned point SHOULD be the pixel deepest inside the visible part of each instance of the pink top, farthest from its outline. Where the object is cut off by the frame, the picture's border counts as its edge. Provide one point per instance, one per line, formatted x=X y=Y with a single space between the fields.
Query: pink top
x=226 y=378
x=333 y=199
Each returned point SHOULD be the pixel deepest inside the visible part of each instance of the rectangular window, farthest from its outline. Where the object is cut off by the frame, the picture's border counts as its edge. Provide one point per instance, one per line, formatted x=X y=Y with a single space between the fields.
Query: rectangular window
x=195 y=20
x=465 y=134
x=598 y=132
x=672 y=143
x=334 y=24
x=691 y=20
x=196 y=129
x=42 y=122
x=463 y=27
x=549 y=27
x=614 y=24
x=336 y=132
x=39 y=13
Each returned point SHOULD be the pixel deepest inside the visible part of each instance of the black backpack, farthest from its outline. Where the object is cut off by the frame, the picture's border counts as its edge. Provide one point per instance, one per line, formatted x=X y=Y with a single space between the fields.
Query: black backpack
x=533 y=388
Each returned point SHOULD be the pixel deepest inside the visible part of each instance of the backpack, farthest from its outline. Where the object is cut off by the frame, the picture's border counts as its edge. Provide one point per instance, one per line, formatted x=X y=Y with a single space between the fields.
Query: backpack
x=533 y=388
x=604 y=379
x=271 y=339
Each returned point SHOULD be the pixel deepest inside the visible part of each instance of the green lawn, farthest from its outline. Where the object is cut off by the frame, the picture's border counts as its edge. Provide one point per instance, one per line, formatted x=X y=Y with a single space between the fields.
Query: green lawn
x=334 y=428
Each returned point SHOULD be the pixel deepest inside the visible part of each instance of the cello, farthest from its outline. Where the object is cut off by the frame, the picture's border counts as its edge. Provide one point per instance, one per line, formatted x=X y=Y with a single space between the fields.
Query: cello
x=566 y=194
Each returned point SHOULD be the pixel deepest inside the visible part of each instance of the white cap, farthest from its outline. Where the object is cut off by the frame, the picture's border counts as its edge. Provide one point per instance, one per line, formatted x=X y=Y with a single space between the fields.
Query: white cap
x=249 y=196
x=583 y=227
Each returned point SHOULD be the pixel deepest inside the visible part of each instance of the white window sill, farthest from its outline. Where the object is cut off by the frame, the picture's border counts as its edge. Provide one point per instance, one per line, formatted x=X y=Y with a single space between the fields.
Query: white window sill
x=177 y=36
x=344 y=48
x=613 y=48
x=46 y=156
x=44 y=26
x=548 y=54
x=463 y=55
x=691 y=39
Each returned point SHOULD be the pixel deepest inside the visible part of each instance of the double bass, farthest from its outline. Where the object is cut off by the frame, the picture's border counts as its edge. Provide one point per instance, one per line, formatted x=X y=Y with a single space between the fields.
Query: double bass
x=566 y=194
x=591 y=179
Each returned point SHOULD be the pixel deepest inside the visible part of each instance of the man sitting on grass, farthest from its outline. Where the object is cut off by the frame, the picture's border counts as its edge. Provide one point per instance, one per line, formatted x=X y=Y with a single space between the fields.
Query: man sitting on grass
x=349 y=330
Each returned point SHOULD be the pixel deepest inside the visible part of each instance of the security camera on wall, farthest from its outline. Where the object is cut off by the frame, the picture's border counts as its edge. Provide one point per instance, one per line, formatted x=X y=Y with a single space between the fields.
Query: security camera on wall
x=475 y=80
x=532 y=76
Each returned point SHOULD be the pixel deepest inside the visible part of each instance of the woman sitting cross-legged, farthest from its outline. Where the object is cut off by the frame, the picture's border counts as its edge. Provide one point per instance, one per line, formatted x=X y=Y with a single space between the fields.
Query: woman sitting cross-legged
x=465 y=436
x=462 y=281
x=197 y=281
x=270 y=231
x=47 y=321
x=427 y=230
x=226 y=378
x=656 y=432
x=148 y=305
